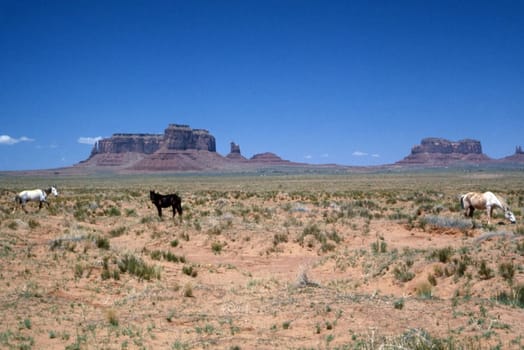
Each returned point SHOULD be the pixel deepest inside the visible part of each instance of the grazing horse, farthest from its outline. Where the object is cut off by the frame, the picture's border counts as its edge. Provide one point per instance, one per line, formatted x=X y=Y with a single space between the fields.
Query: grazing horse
x=488 y=201
x=164 y=201
x=34 y=195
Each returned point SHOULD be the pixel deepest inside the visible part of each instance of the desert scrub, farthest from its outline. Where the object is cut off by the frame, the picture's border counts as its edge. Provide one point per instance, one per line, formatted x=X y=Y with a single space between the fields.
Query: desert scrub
x=116 y=232
x=188 y=290
x=507 y=271
x=402 y=273
x=379 y=246
x=135 y=266
x=442 y=254
x=217 y=247
x=515 y=297
x=189 y=270
x=33 y=223
x=445 y=222
x=113 y=211
x=326 y=240
x=102 y=243
x=424 y=290
x=167 y=255
x=484 y=271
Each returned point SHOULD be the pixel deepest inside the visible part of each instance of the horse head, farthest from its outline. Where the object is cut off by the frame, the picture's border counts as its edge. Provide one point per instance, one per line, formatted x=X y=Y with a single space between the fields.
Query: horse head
x=510 y=216
x=54 y=191
x=152 y=195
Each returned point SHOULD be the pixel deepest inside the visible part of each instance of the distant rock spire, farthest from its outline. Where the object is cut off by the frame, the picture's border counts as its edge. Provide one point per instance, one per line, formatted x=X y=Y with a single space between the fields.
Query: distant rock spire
x=234 y=153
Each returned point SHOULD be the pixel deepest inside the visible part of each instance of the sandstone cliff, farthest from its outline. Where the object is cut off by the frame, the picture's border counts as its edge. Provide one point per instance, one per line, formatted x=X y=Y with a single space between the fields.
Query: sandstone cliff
x=438 y=151
x=179 y=148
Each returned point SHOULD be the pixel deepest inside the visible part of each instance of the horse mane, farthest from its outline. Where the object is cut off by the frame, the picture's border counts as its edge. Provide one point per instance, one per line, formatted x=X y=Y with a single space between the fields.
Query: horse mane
x=502 y=202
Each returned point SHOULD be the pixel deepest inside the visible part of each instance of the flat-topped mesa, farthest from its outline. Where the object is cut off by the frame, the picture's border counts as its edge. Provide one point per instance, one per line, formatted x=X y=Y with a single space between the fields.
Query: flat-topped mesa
x=439 y=145
x=123 y=143
x=182 y=137
x=176 y=137
x=437 y=151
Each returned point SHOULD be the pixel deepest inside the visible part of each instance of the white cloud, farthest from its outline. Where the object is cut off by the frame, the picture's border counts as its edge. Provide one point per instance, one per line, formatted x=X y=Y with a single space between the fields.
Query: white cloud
x=308 y=156
x=359 y=154
x=89 y=140
x=8 y=140
x=325 y=155
x=375 y=155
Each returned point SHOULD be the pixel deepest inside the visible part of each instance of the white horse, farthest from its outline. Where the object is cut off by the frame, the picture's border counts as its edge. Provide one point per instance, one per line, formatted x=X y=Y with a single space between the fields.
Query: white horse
x=488 y=201
x=34 y=195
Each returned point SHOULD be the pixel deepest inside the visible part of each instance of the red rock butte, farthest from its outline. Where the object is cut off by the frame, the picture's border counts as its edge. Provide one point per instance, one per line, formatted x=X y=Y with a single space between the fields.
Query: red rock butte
x=179 y=148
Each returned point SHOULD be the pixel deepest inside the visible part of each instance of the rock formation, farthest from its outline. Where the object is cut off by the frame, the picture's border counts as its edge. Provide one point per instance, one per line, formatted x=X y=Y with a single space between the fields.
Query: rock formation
x=179 y=148
x=234 y=153
x=438 y=151
x=517 y=157
x=267 y=157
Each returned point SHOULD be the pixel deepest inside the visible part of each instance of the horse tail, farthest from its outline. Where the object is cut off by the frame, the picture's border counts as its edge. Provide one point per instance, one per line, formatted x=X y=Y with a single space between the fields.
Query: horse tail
x=18 y=202
x=462 y=201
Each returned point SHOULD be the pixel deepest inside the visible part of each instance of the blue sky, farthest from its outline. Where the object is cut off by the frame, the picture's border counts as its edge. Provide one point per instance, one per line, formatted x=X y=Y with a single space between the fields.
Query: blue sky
x=347 y=82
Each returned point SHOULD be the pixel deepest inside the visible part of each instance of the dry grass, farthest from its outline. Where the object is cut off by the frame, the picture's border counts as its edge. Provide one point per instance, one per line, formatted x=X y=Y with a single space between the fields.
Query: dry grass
x=348 y=261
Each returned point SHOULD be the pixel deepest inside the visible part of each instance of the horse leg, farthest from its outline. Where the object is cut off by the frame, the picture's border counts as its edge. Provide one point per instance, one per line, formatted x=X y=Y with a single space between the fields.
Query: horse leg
x=489 y=211
x=159 y=208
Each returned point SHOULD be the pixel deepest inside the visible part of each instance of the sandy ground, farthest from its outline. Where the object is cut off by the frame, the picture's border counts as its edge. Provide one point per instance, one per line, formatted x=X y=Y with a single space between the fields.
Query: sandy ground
x=258 y=270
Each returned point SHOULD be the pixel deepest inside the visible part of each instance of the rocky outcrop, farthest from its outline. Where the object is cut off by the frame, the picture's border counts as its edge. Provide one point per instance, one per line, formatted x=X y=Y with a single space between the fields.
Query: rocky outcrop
x=438 y=151
x=179 y=148
x=175 y=137
x=182 y=138
x=517 y=157
x=267 y=157
x=234 y=153
x=124 y=143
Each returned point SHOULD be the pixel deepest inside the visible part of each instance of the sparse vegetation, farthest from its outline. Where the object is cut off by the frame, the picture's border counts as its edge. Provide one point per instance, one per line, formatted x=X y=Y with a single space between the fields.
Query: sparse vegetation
x=129 y=263
x=102 y=270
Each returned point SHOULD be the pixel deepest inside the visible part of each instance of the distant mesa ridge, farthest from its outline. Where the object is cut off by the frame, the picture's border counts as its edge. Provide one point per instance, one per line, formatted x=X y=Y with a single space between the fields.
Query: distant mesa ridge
x=179 y=148
x=439 y=151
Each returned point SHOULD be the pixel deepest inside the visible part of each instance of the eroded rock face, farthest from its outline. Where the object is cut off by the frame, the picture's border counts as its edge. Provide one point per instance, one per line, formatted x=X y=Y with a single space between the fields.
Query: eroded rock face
x=438 y=151
x=123 y=143
x=182 y=137
x=439 y=145
x=234 y=153
x=175 y=137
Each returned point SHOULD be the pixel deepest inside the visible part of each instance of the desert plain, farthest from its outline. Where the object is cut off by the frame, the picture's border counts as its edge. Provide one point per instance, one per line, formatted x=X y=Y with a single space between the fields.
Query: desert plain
x=381 y=260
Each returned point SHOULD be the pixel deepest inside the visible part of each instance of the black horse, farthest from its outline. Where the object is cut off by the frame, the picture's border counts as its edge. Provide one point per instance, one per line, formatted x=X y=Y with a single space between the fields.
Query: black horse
x=164 y=201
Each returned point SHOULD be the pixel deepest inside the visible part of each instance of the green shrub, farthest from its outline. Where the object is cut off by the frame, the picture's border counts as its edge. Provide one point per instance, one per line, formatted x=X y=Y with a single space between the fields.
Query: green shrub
x=33 y=223
x=515 y=297
x=116 y=232
x=443 y=255
x=507 y=271
x=402 y=273
x=137 y=267
x=102 y=243
x=189 y=270
x=113 y=211
x=485 y=273
x=216 y=247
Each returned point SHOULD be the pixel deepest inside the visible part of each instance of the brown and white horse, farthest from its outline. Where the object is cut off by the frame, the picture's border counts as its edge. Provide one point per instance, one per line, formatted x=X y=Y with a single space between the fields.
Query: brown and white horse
x=488 y=201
